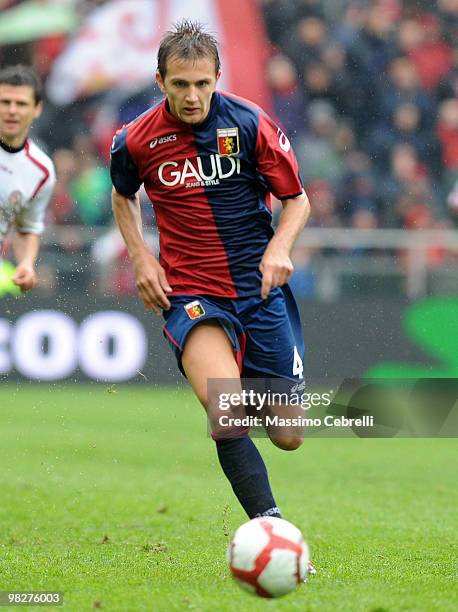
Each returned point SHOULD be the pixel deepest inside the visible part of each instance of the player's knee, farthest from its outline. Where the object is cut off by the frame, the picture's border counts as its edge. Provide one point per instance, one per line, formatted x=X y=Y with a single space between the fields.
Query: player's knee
x=287 y=442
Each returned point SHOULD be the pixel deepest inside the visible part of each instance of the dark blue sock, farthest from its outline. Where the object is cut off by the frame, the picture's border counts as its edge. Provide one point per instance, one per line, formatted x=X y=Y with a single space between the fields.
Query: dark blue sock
x=246 y=471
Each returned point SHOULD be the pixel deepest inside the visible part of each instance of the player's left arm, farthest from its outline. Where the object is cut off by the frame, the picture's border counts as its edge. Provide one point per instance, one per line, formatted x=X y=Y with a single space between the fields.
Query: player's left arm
x=278 y=165
x=276 y=265
x=25 y=246
x=26 y=240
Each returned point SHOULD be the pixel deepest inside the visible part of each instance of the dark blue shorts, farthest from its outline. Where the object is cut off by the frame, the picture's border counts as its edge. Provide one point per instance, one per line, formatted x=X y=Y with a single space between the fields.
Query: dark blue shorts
x=266 y=334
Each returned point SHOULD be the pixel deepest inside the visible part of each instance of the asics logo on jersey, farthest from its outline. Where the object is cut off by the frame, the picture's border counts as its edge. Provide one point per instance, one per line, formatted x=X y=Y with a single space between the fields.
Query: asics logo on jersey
x=161 y=140
x=192 y=172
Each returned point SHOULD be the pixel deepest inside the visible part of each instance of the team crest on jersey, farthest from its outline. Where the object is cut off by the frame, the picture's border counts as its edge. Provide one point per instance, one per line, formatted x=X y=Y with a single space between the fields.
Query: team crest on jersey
x=194 y=310
x=228 y=141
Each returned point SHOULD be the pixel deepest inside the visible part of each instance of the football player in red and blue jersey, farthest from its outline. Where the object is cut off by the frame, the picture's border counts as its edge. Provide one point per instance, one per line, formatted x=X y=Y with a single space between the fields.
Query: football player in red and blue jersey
x=209 y=161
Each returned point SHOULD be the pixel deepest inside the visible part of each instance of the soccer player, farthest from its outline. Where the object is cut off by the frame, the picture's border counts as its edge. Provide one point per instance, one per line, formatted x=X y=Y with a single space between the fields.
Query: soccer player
x=208 y=161
x=27 y=174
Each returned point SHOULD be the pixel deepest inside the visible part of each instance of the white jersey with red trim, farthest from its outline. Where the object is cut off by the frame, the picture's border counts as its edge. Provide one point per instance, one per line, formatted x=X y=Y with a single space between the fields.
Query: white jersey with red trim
x=27 y=178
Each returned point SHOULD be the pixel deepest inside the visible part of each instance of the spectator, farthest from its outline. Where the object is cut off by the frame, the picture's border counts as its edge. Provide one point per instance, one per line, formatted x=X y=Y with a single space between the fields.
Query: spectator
x=62 y=209
x=317 y=152
x=448 y=13
x=372 y=49
x=448 y=87
x=91 y=191
x=419 y=216
x=357 y=190
x=407 y=181
x=452 y=203
x=447 y=130
x=368 y=57
x=347 y=30
x=404 y=87
x=278 y=16
x=334 y=57
x=288 y=97
x=363 y=219
x=323 y=203
x=308 y=41
x=309 y=8
x=320 y=85
x=432 y=56
x=404 y=128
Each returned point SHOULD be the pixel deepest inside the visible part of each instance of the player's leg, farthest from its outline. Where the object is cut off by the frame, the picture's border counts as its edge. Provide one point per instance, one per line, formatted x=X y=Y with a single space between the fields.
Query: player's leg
x=209 y=354
x=283 y=421
x=275 y=350
x=287 y=437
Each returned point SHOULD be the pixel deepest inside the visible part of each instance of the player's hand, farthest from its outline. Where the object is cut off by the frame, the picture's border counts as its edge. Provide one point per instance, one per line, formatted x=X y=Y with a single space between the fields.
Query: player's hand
x=276 y=268
x=25 y=277
x=152 y=284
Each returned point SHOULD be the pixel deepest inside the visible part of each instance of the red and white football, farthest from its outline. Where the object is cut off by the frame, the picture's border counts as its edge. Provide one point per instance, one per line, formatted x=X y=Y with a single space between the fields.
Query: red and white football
x=268 y=557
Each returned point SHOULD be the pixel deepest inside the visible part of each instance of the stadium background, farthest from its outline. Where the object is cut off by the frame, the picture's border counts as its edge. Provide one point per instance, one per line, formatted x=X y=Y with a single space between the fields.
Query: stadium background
x=367 y=92
x=111 y=493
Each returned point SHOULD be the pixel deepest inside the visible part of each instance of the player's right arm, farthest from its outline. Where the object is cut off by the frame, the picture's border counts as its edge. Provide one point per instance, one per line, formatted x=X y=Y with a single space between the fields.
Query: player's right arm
x=150 y=276
x=278 y=165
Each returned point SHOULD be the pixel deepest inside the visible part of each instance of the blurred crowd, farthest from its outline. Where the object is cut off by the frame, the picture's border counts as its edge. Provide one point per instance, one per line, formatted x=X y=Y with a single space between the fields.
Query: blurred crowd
x=367 y=91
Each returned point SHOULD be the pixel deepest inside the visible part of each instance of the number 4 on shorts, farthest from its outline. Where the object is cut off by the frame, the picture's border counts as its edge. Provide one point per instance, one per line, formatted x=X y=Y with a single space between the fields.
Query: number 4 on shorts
x=298 y=366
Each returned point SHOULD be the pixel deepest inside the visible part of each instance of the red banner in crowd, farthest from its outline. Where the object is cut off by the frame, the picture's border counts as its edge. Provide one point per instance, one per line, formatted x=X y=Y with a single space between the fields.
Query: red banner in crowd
x=116 y=47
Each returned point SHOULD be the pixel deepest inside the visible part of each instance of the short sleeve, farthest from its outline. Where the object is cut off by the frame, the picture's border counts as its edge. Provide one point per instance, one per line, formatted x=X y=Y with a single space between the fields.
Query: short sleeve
x=30 y=219
x=276 y=160
x=124 y=172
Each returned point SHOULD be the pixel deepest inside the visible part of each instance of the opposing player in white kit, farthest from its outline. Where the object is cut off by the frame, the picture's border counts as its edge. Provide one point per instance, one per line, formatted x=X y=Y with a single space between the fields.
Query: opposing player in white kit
x=27 y=174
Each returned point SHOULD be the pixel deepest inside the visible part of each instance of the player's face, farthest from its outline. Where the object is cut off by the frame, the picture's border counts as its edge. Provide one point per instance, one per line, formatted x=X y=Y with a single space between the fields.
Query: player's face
x=17 y=111
x=189 y=86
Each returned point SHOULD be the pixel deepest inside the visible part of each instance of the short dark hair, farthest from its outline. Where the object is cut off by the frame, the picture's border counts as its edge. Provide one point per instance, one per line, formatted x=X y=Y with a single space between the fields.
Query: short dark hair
x=187 y=40
x=22 y=75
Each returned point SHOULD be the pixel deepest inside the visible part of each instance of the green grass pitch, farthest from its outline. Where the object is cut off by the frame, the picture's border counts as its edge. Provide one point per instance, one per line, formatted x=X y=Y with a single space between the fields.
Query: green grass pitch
x=114 y=496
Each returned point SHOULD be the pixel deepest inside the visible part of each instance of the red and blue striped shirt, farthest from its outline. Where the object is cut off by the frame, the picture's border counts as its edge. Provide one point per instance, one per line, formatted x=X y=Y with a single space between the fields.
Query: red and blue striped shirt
x=210 y=186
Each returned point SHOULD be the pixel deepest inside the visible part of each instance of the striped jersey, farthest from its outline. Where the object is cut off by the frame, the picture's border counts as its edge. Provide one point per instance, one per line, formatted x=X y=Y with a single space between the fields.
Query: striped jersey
x=210 y=186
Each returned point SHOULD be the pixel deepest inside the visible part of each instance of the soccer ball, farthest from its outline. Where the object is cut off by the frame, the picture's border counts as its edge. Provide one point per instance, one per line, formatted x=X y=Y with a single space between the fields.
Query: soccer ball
x=268 y=556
